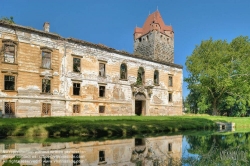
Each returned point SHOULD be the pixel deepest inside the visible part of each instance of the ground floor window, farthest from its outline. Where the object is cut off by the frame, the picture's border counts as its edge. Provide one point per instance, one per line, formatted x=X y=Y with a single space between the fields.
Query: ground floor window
x=76 y=108
x=101 y=156
x=9 y=108
x=46 y=109
x=76 y=159
x=46 y=161
x=101 y=109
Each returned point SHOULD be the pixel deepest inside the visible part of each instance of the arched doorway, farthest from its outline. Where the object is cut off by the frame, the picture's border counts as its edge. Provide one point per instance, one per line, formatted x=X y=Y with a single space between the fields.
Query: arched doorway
x=140 y=104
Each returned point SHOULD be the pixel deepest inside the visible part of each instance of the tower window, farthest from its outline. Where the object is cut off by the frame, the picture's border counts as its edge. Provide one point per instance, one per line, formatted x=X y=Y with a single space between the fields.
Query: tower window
x=156 y=77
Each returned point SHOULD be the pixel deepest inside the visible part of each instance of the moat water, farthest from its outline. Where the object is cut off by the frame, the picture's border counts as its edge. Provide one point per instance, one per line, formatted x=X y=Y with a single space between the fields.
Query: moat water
x=187 y=149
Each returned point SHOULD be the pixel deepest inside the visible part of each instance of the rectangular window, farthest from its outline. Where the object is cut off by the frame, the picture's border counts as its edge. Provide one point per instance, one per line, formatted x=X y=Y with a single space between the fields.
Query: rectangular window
x=46 y=60
x=9 y=82
x=101 y=156
x=170 y=80
x=102 y=70
x=9 y=108
x=101 y=91
x=170 y=97
x=170 y=147
x=101 y=109
x=76 y=159
x=76 y=89
x=46 y=109
x=76 y=108
x=45 y=86
x=76 y=64
x=9 y=53
x=10 y=146
x=46 y=161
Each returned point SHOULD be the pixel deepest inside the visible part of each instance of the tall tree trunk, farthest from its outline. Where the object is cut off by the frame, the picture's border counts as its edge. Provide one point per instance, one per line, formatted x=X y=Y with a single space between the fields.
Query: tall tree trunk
x=214 y=108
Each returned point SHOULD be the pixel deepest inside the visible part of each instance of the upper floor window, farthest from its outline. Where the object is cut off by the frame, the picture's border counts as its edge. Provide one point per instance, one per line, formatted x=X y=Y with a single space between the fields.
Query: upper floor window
x=156 y=77
x=170 y=80
x=170 y=97
x=76 y=89
x=9 y=48
x=76 y=64
x=101 y=91
x=123 y=71
x=102 y=69
x=45 y=86
x=140 y=76
x=9 y=82
x=46 y=58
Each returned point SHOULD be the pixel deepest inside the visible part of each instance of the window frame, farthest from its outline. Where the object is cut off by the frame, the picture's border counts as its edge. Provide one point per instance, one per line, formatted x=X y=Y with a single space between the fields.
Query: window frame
x=11 y=105
x=170 y=81
x=102 y=96
x=170 y=97
x=50 y=83
x=79 y=89
x=73 y=68
x=126 y=72
x=9 y=43
x=10 y=75
x=101 y=109
x=142 y=77
x=77 y=110
x=105 y=69
x=48 y=51
x=46 y=112
x=156 y=74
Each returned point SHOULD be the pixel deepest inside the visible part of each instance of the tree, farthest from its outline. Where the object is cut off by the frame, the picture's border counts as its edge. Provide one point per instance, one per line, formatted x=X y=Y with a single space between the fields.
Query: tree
x=8 y=20
x=219 y=76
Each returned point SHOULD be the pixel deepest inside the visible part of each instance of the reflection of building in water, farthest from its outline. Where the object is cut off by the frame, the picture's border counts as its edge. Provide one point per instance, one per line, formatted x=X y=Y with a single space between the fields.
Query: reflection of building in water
x=129 y=152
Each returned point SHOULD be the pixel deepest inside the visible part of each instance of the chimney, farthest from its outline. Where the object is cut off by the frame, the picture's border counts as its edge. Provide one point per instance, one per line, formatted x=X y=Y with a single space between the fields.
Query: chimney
x=46 y=27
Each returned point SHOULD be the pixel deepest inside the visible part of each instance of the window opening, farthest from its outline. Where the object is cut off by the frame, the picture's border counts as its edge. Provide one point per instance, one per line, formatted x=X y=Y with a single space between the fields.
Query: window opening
x=101 y=156
x=76 y=108
x=76 y=159
x=9 y=82
x=46 y=60
x=101 y=109
x=46 y=109
x=76 y=64
x=9 y=108
x=123 y=71
x=101 y=91
x=45 y=86
x=156 y=77
x=102 y=69
x=76 y=89
x=170 y=80
x=9 y=53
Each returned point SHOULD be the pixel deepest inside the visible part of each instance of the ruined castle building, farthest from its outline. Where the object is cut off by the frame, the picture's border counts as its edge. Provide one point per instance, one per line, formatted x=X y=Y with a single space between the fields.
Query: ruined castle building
x=44 y=74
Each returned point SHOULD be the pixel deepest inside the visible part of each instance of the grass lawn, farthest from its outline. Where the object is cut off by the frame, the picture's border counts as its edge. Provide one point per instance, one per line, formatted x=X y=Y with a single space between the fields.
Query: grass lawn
x=111 y=125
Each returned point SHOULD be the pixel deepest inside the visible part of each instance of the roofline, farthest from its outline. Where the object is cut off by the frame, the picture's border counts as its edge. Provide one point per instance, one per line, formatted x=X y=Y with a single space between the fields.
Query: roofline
x=85 y=43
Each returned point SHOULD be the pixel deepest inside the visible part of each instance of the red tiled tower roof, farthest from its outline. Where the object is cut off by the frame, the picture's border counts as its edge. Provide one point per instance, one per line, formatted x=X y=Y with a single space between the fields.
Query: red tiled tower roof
x=154 y=18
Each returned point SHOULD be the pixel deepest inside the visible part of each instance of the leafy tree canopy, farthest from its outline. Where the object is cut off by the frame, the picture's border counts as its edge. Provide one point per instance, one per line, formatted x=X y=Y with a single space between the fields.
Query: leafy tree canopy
x=8 y=20
x=219 y=77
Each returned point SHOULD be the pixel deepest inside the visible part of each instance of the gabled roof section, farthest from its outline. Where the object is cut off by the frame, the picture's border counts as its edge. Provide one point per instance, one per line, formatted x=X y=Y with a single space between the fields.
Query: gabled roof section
x=154 y=18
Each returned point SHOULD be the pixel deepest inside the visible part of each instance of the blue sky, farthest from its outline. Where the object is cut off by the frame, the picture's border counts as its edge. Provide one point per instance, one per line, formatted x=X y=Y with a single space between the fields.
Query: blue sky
x=112 y=22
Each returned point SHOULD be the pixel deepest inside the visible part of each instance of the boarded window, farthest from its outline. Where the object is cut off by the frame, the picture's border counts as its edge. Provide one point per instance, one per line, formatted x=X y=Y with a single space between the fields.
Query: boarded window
x=46 y=109
x=123 y=71
x=170 y=97
x=9 y=82
x=46 y=161
x=45 y=86
x=9 y=108
x=140 y=76
x=76 y=64
x=101 y=109
x=76 y=108
x=76 y=89
x=170 y=80
x=101 y=91
x=46 y=60
x=101 y=156
x=156 y=77
x=9 y=53
x=102 y=69
x=170 y=147
x=76 y=159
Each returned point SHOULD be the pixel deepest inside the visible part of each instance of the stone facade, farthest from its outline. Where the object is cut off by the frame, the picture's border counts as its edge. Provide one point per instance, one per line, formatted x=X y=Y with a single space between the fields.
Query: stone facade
x=44 y=74
x=131 y=152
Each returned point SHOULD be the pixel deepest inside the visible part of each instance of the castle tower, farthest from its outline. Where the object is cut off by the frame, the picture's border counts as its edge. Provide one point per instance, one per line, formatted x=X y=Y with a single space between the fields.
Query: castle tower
x=155 y=40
